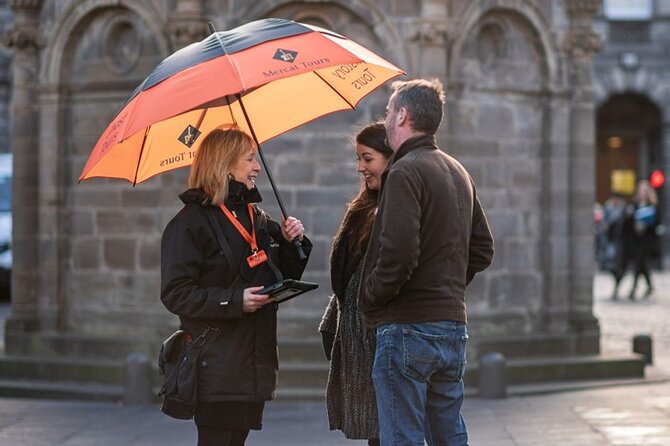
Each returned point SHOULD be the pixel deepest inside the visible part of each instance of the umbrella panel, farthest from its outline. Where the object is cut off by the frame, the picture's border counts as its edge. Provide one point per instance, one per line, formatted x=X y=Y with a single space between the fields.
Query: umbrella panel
x=273 y=109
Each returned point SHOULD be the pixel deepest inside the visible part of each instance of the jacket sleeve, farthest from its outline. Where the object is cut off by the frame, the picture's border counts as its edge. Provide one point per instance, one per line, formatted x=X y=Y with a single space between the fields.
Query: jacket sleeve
x=481 y=242
x=182 y=260
x=290 y=264
x=399 y=247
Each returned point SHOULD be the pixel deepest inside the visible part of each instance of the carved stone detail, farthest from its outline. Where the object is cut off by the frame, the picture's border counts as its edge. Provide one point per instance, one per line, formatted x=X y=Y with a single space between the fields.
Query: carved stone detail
x=122 y=44
x=25 y=33
x=583 y=7
x=187 y=23
x=581 y=42
x=27 y=5
x=428 y=32
x=23 y=37
x=184 y=32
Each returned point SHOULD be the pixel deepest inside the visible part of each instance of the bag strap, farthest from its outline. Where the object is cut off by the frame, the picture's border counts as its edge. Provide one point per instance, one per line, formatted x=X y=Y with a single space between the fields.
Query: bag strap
x=263 y=223
x=218 y=234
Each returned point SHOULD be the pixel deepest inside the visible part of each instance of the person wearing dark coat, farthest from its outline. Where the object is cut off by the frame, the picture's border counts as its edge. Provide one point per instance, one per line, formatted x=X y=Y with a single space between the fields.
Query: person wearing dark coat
x=348 y=344
x=213 y=286
x=637 y=237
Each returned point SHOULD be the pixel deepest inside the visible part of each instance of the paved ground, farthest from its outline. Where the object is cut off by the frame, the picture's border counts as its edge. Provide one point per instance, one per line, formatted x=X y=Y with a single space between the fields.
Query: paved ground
x=624 y=415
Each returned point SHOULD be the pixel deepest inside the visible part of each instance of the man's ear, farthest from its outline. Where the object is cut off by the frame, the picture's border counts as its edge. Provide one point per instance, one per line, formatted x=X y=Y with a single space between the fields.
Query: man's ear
x=402 y=116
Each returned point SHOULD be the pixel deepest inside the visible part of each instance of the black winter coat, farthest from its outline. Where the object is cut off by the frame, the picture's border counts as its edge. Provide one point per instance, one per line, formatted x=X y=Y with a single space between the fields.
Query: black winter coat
x=200 y=286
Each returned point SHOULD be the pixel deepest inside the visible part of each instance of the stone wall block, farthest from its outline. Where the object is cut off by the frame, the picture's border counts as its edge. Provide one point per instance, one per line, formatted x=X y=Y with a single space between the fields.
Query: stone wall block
x=321 y=197
x=515 y=289
x=87 y=197
x=119 y=253
x=320 y=255
x=521 y=255
x=294 y=170
x=127 y=222
x=135 y=197
x=524 y=173
x=475 y=146
x=82 y=223
x=150 y=254
x=86 y=254
x=327 y=220
x=505 y=223
x=559 y=255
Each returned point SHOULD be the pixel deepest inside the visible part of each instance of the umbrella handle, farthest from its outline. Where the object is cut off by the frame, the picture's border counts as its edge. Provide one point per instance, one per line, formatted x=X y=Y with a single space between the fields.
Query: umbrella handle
x=298 y=247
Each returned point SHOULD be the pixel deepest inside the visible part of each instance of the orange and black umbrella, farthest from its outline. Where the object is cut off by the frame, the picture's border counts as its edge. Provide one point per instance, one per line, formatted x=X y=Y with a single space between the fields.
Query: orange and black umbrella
x=265 y=77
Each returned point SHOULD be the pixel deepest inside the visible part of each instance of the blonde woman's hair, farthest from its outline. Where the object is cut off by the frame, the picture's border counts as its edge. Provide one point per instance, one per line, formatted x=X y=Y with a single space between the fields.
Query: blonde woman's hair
x=216 y=156
x=645 y=192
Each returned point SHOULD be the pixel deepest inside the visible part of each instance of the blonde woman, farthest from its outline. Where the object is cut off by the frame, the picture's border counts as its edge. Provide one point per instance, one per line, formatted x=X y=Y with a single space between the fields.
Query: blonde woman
x=212 y=286
x=638 y=233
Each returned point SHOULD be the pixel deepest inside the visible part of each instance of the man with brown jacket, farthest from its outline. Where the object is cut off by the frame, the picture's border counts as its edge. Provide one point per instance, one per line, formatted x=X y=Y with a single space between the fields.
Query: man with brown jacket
x=429 y=239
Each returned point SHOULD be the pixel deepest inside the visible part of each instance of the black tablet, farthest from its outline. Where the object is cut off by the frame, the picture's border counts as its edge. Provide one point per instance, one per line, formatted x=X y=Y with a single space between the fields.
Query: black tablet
x=287 y=289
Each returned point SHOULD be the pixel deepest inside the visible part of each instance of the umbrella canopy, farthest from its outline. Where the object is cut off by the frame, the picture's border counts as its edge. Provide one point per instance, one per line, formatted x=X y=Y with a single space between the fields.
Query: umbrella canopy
x=265 y=77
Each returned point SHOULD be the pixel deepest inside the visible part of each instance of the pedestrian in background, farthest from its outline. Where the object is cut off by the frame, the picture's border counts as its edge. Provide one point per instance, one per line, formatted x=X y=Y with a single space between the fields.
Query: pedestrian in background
x=429 y=238
x=638 y=234
x=213 y=284
x=349 y=345
x=609 y=234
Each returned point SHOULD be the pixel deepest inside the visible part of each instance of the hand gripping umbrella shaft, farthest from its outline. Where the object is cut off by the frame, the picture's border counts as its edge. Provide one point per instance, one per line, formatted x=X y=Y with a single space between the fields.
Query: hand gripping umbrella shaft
x=295 y=241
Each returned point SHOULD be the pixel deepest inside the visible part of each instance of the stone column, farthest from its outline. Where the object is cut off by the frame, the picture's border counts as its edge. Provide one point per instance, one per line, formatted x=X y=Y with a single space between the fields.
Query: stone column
x=429 y=35
x=581 y=43
x=187 y=23
x=24 y=38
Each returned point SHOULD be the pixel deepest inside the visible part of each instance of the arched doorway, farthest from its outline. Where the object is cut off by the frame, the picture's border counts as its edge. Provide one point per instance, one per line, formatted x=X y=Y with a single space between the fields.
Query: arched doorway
x=629 y=143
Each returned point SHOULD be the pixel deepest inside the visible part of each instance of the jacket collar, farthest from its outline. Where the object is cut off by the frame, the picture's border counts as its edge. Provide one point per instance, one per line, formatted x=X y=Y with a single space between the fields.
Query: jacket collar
x=410 y=144
x=237 y=194
x=413 y=143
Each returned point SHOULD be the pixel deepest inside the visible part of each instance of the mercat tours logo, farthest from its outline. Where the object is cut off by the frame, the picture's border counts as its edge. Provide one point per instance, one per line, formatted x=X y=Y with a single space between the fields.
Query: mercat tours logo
x=189 y=135
x=285 y=55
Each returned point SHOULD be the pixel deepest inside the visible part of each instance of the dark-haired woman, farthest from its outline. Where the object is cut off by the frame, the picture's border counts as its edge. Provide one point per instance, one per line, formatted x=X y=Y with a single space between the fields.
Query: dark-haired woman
x=350 y=346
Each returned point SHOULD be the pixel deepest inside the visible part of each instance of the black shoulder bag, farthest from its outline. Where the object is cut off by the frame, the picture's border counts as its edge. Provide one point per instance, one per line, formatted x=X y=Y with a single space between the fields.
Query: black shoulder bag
x=178 y=364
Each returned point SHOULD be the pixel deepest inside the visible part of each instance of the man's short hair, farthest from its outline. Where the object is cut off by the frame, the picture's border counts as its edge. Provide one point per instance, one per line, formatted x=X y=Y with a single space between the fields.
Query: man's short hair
x=424 y=100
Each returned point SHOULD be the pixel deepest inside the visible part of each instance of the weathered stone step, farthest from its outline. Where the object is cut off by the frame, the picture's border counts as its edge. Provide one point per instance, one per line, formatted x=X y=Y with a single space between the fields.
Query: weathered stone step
x=61 y=369
x=39 y=389
x=301 y=350
x=303 y=375
x=571 y=368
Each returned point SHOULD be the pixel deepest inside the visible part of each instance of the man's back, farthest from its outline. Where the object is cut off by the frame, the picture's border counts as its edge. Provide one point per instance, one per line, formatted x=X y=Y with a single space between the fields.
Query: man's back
x=430 y=238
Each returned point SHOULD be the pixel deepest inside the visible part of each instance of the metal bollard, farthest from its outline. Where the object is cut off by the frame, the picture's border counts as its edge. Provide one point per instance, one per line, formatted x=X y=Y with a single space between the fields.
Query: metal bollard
x=642 y=345
x=492 y=376
x=137 y=389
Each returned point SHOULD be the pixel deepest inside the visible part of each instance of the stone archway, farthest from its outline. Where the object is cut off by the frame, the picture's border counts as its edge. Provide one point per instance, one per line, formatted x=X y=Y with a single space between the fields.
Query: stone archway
x=629 y=139
x=500 y=55
x=94 y=243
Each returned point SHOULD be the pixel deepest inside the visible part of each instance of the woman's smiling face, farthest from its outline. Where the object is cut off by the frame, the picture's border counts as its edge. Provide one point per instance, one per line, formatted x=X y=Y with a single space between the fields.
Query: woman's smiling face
x=371 y=164
x=246 y=169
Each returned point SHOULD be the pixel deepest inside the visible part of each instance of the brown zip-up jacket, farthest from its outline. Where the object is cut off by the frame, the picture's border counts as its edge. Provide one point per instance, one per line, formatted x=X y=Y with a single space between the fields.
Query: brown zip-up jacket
x=429 y=239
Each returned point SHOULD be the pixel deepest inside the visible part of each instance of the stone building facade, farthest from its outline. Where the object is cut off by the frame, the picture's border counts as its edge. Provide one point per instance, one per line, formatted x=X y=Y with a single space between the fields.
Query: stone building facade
x=519 y=115
x=632 y=94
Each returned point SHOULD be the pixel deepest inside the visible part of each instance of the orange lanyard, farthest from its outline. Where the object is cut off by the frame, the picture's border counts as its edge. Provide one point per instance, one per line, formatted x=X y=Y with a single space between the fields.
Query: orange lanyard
x=250 y=238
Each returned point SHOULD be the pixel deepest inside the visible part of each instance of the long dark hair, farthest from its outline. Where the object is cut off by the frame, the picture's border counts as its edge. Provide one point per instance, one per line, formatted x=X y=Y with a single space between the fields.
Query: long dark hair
x=361 y=210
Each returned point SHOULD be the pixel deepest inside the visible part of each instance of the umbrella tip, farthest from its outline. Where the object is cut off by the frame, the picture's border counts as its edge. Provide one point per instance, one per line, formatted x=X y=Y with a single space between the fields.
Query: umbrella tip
x=212 y=30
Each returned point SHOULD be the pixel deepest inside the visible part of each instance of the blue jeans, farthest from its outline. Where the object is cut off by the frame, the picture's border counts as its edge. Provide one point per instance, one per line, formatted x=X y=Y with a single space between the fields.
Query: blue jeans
x=418 y=377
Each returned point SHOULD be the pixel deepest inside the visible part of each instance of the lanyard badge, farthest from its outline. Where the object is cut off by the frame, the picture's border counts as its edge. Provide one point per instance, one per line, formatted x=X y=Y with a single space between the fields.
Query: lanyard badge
x=258 y=256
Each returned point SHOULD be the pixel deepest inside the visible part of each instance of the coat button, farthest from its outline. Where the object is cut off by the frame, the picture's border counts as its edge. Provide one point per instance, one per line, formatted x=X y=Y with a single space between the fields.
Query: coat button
x=204 y=363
